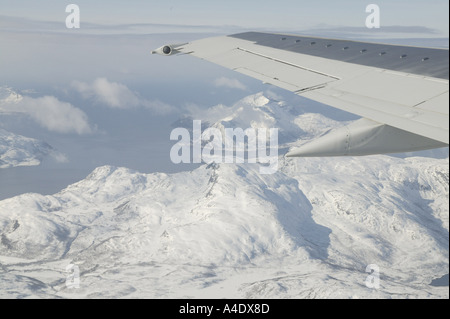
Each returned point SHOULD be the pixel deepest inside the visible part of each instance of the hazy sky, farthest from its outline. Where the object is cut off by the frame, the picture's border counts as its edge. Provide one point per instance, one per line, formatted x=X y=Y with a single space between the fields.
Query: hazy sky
x=280 y=14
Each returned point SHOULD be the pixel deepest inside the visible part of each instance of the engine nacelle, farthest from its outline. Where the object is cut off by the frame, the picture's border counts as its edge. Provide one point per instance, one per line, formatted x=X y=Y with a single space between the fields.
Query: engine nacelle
x=169 y=49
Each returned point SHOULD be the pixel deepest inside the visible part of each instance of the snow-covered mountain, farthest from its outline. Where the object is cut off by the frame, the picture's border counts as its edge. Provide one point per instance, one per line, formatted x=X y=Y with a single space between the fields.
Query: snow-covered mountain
x=8 y=95
x=17 y=150
x=264 y=110
x=310 y=230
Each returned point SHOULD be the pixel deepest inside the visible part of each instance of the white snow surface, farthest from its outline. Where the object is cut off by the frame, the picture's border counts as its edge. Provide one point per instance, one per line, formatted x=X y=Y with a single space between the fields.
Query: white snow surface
x=8 y=95
x=264 y=110
x=225 y=231
x=17 y=150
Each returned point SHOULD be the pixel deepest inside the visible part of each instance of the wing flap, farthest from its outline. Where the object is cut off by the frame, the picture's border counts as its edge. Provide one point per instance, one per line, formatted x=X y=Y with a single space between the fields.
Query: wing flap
x=284 y=73
x=393 y=87
x=428 y=124
x=438 y=104
x=267 y=79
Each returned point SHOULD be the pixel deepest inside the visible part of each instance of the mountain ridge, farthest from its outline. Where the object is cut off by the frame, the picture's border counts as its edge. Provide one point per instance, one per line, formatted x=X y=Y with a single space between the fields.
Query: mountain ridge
x=17 y=150
x=238 y=225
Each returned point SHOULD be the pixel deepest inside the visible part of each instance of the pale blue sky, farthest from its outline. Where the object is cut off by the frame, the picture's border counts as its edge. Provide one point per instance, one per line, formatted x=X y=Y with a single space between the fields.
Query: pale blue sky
x=279 y=15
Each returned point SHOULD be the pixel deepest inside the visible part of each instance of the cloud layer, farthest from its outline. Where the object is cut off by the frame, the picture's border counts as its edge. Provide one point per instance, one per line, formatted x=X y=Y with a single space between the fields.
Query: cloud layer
x=229 y=83
x=47 y=111
x=62 y=117
x=118 y=96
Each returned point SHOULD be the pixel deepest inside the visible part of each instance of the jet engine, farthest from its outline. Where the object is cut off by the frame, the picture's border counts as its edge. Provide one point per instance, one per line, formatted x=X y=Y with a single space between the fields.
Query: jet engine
x=168 y=49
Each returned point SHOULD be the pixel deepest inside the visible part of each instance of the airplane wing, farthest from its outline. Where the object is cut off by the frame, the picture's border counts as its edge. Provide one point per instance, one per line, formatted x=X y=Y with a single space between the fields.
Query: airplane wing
x=401 y=92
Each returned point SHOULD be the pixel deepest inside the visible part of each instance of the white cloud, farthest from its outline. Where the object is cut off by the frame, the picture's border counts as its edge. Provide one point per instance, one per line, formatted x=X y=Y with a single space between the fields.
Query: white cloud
x=56 y=115
x=112 y=94
x=48 y=112
x=59 y=157
x=118 y=96
x=229 y=83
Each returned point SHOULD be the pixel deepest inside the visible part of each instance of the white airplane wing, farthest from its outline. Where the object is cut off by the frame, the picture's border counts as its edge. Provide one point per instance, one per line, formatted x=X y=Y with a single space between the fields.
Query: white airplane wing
x=401 y=92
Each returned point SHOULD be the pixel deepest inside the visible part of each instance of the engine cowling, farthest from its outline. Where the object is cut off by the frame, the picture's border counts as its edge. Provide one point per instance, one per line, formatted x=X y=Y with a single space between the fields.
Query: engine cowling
x=168 y=49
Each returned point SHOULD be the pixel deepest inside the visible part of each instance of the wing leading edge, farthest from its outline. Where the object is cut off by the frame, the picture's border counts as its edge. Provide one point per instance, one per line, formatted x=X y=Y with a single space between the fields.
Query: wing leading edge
x=401 y=92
